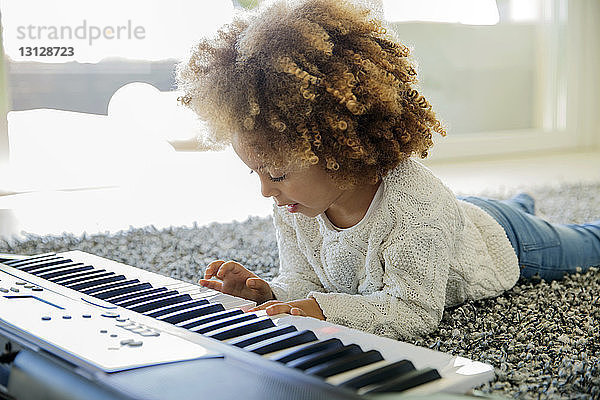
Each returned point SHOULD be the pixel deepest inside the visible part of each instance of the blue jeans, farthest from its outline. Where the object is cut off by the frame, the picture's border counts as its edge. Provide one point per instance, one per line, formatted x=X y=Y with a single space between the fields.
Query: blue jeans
x=550 y=250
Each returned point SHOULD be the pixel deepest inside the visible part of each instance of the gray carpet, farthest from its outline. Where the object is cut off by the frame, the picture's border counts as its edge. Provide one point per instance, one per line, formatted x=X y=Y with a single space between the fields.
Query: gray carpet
x=543 y=339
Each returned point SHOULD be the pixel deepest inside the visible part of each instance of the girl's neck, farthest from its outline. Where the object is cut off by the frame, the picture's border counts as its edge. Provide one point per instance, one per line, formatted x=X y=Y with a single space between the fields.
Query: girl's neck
x=352 y=205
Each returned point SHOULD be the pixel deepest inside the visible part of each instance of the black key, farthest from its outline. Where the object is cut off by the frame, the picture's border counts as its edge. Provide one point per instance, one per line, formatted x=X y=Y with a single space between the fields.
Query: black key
x=328 y=344
x=176 y=307
x=108 y=294
x=195 y=312
x=103 y=287
x=44 y=270
x=210 y=318
x=80 y=286
x=221 y=323
x=260 y=336
x=344 y=364
x=131 y=290
x=31 y=259
x=42 y=264
x=379 y=375
x=80 y=276
x=65 y=271
x=160 y=303
x=407 y=381
x=143 y=296
x=310 y=360
x=282 y=342
x=241 y=328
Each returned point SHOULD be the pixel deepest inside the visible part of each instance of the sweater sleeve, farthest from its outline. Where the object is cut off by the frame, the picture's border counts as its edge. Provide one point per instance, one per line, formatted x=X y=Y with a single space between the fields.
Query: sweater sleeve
x=411 y=301
x=296 y=276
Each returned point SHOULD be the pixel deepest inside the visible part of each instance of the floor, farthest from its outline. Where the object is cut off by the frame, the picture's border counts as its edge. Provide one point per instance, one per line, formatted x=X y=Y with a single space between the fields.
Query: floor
x=182 y=193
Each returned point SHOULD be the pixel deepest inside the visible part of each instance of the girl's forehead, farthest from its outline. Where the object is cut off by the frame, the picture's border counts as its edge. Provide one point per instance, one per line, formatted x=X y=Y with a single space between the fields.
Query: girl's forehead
x=245 y=152
x=253 y=158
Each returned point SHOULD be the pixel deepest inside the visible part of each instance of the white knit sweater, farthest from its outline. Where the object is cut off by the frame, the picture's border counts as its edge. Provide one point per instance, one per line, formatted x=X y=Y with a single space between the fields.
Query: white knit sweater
x=417 y=250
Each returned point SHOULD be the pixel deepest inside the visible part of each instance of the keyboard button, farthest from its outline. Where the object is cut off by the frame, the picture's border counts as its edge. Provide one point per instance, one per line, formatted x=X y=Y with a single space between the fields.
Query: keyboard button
x=328 y=344
x=110 y=314
x=343 y=364
x=149 y=332
x=282 y=342
x=407 y=381
x=379 y=375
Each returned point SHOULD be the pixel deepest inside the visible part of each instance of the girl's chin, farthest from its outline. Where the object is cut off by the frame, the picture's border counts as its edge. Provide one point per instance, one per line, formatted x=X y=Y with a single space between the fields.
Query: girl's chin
x=299 y=209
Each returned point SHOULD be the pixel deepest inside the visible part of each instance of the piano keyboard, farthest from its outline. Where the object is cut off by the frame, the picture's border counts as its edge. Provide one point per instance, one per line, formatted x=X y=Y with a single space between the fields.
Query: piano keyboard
x=109 y=319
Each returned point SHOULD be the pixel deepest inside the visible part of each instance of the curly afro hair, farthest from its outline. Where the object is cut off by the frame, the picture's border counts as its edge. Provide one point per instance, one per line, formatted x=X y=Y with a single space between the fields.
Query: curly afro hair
x=311 y=82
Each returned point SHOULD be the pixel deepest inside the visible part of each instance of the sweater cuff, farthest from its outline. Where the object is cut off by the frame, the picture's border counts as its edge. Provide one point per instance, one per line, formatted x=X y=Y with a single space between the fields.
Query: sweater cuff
x=280 y=291
x=326 y=302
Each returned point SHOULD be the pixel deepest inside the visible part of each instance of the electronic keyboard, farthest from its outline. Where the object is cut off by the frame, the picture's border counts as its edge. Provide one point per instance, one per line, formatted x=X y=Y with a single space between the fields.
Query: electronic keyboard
x=78 y=326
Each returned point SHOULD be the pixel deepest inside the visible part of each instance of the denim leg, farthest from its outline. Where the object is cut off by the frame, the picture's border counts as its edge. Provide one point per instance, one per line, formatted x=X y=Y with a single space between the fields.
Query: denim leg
x=523 y=201
x=543 y=248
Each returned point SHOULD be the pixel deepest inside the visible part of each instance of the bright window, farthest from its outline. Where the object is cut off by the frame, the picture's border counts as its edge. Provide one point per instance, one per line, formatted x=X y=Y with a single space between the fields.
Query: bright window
x=497 y=72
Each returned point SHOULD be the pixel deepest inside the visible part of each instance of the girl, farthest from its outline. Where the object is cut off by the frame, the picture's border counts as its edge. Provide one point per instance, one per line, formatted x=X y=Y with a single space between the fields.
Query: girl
x=319 y=101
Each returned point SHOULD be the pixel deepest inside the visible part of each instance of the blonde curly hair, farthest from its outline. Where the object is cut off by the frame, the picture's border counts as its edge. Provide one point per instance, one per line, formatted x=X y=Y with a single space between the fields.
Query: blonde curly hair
x=311 y=82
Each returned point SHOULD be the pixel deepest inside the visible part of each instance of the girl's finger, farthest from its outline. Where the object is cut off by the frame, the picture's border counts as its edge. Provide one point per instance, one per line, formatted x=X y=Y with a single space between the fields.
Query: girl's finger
x=226 y=268
x=257 y=284
x=297 y=311
x=212 y=269
x=211 y=284
x=282 y=308
x=266 y=304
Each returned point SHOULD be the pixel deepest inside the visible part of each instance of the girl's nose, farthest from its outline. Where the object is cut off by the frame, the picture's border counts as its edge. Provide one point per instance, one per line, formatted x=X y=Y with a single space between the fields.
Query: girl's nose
x=267 y=189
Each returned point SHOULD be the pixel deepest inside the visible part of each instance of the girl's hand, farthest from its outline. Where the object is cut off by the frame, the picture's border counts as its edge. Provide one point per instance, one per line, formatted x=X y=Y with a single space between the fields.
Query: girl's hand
x=304 y=308
x=236 y=280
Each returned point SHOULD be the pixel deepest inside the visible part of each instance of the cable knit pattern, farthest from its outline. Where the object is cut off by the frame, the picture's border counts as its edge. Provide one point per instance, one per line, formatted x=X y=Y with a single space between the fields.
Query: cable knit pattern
x=393 y=273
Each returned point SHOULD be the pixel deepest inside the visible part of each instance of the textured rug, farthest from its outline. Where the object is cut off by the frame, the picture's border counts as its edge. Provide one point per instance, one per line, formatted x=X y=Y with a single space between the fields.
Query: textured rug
x=542 y=338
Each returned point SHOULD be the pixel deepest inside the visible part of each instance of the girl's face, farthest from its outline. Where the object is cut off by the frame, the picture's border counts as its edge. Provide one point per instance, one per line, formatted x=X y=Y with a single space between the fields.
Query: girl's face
x=310 y=190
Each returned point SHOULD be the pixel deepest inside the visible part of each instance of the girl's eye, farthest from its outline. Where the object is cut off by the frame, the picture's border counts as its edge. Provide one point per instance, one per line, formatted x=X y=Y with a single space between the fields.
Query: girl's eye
x=277 y=179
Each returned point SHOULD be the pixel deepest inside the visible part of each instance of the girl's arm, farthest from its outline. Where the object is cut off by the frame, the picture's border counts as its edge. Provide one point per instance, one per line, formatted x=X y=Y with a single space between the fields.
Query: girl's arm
x=296 y=276
x=411 y=301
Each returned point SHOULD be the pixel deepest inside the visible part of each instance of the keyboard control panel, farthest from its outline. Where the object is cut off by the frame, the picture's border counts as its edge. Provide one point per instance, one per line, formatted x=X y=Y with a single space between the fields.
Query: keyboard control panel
x=103 y=338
